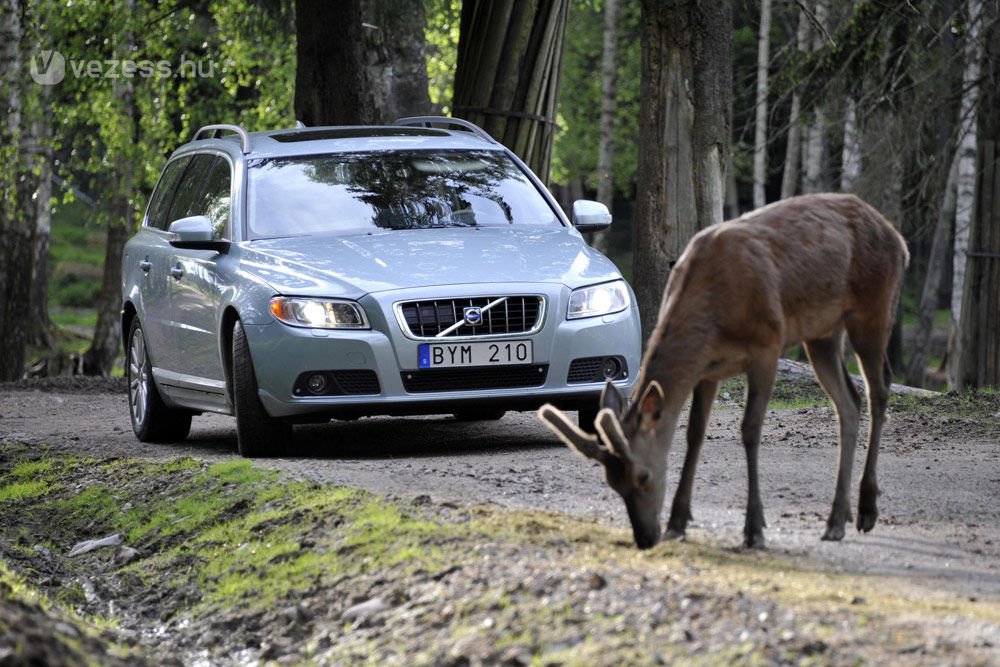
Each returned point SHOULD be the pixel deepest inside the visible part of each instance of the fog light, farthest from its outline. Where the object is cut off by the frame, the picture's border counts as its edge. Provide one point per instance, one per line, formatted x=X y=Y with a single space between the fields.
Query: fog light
x=316 y=383
x=611 y=368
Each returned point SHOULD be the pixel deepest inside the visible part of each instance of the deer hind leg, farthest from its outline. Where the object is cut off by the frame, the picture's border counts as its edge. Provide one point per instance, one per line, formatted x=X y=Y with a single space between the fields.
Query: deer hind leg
x=701 y=408
x=760 y=384
x=827 y=358
x=871 y=354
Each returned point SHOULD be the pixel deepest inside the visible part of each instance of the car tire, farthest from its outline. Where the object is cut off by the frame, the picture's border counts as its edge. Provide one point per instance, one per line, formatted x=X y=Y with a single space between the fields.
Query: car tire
x=480 y=415
x=151 y=419
x=586 y=418
x=257 y=433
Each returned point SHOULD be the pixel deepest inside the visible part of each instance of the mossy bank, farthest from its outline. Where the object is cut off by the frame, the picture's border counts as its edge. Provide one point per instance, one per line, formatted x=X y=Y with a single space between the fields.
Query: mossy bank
x=232 y=564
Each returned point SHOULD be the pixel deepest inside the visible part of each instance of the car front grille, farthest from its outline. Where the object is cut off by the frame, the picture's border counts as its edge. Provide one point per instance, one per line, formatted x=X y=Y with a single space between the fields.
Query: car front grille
x=507 y=315
x=472 y=379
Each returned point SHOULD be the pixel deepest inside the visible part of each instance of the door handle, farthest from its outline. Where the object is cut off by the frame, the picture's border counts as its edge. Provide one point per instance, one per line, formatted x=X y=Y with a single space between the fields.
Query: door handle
x=145 y=265
x=176 y=271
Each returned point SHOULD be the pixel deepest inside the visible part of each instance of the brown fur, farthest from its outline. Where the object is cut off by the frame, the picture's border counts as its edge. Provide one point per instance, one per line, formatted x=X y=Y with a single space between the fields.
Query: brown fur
x=806 y=269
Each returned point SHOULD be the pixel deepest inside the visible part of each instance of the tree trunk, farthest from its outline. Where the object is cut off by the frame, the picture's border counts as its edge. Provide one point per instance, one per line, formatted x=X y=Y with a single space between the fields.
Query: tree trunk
x=100 y=356
x=936 y=263
x=973 y=51
x=396 y=58
x=760 y=122
x=978 y=361
x=606 y=147
x=851 y=156
x=41 y=326
x=814 y=150
x=16 y=256
x=507 y=76
x=331 y=87
x=793 y=145
x=684 y=125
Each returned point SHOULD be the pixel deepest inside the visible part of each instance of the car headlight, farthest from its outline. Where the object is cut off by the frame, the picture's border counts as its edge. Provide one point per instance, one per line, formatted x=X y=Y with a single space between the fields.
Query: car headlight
x=598 y=300
x=319 y=313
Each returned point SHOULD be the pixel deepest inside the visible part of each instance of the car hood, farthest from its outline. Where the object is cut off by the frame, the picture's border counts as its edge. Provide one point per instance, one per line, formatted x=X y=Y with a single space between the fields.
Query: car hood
x=355 y=265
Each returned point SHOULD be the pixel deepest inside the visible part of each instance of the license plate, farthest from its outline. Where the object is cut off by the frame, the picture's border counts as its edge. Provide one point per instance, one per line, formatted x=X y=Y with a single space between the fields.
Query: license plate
x=446 y=355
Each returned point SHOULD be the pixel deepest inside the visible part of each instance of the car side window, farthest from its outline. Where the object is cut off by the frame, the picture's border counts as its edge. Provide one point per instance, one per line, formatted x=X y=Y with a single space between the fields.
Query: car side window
x=204 y=190
x=163 y=197
x=215 y=199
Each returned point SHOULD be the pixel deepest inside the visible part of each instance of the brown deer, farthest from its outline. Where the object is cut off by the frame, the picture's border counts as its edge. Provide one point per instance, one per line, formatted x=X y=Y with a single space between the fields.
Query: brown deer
x=806 y=269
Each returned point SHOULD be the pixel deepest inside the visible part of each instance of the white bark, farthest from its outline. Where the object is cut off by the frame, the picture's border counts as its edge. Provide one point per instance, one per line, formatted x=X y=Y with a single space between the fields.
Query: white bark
x=606 y=147
x=851 y=156
x=814 y=150
x=793 y=146
x=966 y=184
x=760 y=122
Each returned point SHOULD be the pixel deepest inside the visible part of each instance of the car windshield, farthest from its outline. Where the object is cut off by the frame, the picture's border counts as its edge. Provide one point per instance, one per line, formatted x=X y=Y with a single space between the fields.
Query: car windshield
x=350 y=193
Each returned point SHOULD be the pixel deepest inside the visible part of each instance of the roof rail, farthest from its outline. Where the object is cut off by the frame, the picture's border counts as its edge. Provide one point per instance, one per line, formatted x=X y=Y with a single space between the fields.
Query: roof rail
x=430 y=121
x=213 y=132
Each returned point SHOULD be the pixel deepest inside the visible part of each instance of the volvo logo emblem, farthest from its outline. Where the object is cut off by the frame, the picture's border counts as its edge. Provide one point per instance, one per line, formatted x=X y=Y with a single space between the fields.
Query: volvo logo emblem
x=473 y=315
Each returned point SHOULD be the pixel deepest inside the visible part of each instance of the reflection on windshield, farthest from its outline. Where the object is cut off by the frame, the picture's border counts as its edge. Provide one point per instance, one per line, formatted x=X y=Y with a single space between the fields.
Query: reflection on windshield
x=345 y=193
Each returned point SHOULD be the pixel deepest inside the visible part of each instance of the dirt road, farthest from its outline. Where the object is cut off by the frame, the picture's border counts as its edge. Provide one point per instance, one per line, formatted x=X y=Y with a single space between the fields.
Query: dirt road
x=940 y=475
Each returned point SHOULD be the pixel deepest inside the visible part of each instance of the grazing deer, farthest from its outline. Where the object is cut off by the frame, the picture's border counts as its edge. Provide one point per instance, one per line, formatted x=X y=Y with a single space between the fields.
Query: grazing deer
x=805 y=269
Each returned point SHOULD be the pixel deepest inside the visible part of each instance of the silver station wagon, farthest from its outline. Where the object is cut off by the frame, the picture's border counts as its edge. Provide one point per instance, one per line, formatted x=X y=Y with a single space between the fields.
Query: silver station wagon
x=308 y=274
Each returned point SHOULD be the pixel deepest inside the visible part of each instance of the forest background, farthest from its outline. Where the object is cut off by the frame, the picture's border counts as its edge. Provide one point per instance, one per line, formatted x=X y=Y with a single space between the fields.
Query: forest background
x=730 y=104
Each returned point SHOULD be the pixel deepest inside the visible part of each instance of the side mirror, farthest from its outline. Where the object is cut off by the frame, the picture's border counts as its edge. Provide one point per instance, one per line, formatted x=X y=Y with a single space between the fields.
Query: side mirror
x=195 y=233
x=590 y=216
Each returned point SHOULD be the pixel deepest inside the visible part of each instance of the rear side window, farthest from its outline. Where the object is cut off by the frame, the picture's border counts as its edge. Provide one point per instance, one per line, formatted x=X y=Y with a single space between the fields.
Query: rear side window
x=163 y=196
x=204 y=190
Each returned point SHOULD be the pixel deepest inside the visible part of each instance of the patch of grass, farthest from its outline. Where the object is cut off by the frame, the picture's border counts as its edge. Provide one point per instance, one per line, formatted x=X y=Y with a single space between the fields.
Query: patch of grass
x=24 y=490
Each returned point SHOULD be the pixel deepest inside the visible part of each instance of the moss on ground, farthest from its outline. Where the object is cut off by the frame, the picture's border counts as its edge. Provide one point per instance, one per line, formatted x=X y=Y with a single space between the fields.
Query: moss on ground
x=237 y=563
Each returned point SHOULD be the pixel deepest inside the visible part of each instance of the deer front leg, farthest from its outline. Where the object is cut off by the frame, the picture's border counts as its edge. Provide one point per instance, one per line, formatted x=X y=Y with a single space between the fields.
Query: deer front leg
x=760 y=383
x=701 y=408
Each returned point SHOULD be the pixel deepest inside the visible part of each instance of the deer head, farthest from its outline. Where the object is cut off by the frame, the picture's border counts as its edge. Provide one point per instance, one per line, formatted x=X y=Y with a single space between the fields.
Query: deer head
x=629 y=444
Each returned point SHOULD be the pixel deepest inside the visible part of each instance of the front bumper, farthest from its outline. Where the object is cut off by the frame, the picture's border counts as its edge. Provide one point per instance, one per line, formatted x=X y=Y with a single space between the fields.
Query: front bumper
x=282 y=354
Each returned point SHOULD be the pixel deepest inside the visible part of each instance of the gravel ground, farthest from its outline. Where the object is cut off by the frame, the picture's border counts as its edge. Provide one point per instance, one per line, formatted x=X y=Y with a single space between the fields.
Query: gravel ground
x=939 y=475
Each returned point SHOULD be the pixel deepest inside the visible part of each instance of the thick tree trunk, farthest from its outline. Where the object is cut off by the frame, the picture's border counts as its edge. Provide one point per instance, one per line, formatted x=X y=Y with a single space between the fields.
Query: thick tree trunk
x=760 y=121
x=507 y=76
x=42 y=328
x=684 y=124
x=850 y=169
x=793 y=145
x=978 y=361
x=396 y=58
x=606 y=147
x=966 y=177
x=16 y=256
x=331 y=87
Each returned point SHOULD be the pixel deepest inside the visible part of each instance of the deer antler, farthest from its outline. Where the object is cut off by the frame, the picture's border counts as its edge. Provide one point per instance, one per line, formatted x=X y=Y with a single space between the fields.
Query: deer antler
x=584 y=444
x=610 y=429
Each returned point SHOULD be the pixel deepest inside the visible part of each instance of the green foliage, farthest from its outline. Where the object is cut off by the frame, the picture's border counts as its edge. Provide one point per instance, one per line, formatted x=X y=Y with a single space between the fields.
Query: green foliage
x=575 y=150
x=441 y=33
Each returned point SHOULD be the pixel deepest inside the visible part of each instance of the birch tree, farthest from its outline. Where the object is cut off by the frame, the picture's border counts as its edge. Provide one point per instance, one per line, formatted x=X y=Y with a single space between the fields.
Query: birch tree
x=966 y=183
x=814 y=149
x=606 y=146
x=793 y=143
x=760 y=121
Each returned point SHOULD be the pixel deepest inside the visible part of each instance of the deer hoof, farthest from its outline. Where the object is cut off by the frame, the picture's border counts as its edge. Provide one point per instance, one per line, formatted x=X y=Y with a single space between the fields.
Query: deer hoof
x=754 y=541
x=673 y=534
x=833 y=533
x=866 y=521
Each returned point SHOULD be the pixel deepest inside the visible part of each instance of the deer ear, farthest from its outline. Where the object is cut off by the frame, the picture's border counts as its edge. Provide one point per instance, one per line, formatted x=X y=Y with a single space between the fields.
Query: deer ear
x=610 y=430
x=651 y=403
x=582 y=443
x=612 y=399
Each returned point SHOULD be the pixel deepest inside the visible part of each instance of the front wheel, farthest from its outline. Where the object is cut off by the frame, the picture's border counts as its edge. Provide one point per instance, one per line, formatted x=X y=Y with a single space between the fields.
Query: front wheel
x=257 y=433
x=152 y=420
